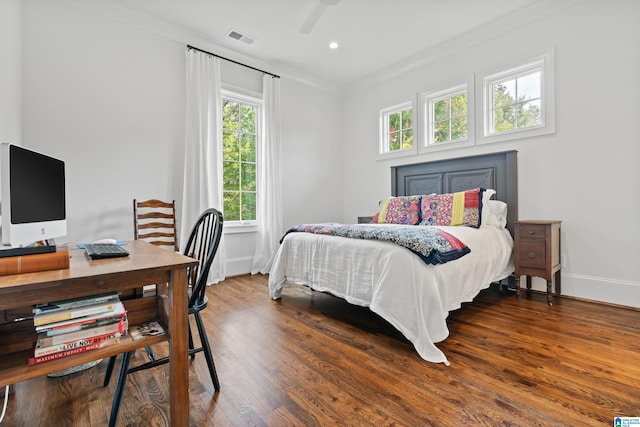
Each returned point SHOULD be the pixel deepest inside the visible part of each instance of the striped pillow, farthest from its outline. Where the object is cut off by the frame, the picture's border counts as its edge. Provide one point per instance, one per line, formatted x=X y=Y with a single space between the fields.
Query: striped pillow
x=461 y=208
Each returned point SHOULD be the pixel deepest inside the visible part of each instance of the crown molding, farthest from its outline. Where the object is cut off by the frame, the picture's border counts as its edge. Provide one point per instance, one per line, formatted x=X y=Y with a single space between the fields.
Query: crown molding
x=465 y=41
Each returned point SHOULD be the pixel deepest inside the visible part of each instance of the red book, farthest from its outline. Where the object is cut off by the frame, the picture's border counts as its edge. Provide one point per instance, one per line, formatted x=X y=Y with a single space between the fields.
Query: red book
x=36 y=360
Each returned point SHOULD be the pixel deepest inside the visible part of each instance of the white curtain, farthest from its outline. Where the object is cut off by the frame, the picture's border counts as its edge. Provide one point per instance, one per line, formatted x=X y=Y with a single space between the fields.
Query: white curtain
x=202 y=187
x=269 y=203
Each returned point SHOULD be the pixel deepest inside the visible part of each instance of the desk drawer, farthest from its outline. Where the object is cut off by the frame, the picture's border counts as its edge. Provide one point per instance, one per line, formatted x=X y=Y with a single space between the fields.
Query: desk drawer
x=533 y=253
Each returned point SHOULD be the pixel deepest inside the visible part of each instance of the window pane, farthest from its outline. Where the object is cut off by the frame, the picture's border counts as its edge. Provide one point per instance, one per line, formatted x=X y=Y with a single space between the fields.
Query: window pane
x=407 y=138
x=394 y=122
x=529 y=87
x=248 y=177
x=441 y=132
x=504 y=119
x=230 y=146
x=504 y=93
x=247 y=118
x=459 y=105
x=231 y=176
x=231 y=206
x=248 y=148
x=441 y=110
x=406 y=119
x=230 y=115
x=529 y=114
x=394 y=141
x=459 y=128
x=248 y=206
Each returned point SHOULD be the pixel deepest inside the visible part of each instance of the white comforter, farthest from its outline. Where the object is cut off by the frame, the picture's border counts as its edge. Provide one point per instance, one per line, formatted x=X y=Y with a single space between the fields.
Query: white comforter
x=392 y=281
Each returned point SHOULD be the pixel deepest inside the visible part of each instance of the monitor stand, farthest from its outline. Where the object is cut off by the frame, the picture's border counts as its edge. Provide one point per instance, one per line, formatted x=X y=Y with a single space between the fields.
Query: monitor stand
x=6 y=251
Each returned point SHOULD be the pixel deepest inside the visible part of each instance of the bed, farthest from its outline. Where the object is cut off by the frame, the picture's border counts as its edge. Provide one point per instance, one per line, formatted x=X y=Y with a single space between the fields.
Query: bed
x=395 y=281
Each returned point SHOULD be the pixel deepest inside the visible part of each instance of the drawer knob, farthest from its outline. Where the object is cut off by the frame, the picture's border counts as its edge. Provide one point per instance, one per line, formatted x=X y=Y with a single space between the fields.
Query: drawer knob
x=531 y=232
x=532 y=254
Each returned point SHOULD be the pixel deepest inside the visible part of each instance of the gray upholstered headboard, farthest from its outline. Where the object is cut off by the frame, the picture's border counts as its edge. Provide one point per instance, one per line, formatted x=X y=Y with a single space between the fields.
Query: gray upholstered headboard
x=495 y=170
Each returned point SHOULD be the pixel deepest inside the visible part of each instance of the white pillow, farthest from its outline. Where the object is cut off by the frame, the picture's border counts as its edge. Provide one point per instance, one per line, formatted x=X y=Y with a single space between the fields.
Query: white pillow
x=494 y=212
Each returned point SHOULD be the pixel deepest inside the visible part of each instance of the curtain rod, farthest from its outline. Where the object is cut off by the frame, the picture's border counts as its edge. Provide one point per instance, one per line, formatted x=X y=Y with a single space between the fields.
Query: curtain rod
x=235 y=62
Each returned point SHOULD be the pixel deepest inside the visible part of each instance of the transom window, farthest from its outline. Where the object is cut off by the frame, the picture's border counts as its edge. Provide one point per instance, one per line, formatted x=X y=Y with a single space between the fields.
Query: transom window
x=447 y=115
x=450 y=118
x=396 y=129
x=239 y=136
x=515 y=99
x=447 y=118
x=516 y=103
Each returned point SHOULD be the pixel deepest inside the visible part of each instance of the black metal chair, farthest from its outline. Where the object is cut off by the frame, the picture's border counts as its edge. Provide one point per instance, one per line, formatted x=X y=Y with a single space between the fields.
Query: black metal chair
x=202 y=245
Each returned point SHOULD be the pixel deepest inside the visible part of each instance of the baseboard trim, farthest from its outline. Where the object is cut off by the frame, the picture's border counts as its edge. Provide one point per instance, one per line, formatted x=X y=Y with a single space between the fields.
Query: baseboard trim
x=614 y=292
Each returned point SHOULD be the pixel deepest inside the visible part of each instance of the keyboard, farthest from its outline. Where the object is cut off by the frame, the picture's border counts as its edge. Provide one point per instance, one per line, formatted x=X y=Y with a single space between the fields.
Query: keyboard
x=102 y=250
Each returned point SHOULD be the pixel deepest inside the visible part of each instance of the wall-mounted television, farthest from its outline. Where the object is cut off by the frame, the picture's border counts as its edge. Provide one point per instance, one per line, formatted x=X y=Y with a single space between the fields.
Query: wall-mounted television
x=33 y=203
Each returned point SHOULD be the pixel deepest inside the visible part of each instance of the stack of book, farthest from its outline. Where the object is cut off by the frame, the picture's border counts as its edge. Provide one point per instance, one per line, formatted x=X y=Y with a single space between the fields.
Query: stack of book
x=77 y=325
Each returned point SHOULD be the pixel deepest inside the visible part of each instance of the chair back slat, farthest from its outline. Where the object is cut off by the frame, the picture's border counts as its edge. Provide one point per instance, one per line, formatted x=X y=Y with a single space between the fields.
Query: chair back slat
x=155 y=221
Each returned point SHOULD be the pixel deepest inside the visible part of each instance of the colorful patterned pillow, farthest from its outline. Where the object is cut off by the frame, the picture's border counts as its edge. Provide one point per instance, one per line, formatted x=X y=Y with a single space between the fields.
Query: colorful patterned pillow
x=461 y=208
x=399 y=210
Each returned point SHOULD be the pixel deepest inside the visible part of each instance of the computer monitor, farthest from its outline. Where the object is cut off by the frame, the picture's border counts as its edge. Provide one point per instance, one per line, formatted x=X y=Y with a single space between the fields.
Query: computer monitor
x=33 y=197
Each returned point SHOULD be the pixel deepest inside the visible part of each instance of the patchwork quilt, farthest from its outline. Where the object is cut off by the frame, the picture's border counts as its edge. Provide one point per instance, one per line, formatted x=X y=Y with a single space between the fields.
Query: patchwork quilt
x=432 y=245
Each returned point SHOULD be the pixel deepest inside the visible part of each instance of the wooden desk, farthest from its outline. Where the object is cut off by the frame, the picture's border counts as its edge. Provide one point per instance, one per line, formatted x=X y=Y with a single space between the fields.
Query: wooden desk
x=146 y=264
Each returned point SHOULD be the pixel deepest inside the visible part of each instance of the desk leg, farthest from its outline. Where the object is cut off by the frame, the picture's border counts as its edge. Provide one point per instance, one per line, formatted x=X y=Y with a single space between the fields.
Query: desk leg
x=178 y=347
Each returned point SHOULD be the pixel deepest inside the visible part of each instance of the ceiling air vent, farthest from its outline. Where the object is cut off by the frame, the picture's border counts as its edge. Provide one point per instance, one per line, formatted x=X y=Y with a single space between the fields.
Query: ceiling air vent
x=240 y=37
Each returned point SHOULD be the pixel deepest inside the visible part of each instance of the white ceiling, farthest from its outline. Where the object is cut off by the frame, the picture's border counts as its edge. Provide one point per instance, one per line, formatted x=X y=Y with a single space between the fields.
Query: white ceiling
x=372 y=34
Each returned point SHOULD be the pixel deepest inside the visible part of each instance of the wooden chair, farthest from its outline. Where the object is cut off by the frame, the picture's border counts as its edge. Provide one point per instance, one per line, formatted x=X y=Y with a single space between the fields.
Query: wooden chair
x=202 y=245
x=155 y=222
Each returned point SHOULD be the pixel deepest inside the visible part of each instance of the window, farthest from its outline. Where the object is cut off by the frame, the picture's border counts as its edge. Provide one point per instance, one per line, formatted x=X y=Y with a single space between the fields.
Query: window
x=519 y=101
x=396 y=129
x=447 y=116
x=239 y=136
x=515 y=102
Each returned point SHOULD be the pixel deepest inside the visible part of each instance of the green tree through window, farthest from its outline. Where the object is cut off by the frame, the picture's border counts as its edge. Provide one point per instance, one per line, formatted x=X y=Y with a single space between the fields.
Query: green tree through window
x=450 y=118
x=397 y=128
x=239 y=134
x=516 y=103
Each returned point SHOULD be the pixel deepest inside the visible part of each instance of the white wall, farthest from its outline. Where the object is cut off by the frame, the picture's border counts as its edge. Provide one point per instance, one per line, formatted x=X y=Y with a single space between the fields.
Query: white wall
x=108 y=97
x=10 y=47
x=109 y=100
x=312 y=163
x=584 y=174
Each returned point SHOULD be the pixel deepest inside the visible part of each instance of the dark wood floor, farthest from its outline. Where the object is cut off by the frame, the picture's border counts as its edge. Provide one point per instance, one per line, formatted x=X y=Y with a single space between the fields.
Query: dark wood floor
x=311 y=359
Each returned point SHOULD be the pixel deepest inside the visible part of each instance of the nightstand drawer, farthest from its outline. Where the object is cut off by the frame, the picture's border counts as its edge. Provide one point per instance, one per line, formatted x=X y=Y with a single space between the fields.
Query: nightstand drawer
x=533 y=253
x=534 y=231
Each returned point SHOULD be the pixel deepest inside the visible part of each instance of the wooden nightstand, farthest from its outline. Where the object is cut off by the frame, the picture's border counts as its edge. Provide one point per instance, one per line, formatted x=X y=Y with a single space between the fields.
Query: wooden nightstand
x=537 y=253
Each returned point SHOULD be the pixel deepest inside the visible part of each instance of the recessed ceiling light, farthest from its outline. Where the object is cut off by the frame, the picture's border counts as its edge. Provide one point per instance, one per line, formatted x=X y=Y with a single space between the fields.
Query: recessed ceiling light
x=333 y=45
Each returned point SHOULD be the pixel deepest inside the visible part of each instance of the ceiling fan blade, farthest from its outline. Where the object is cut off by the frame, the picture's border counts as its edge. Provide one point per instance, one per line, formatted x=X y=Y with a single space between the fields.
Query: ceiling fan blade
x=313 y=17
